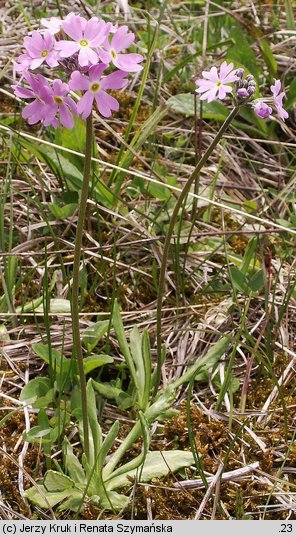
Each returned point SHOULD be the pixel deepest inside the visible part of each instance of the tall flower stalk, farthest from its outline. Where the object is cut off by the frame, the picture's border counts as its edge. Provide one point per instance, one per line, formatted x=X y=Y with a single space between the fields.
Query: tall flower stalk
x=167 y=242
x=215 y=84
x=77 y=348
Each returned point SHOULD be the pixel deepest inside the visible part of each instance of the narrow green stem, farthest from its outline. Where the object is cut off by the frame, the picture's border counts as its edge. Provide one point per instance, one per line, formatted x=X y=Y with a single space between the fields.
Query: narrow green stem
x=77 y=348
x=169 y=234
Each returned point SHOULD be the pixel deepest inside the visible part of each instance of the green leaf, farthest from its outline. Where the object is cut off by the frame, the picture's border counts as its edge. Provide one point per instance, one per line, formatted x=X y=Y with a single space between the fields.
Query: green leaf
x=291 y=95
x=62 y=213
x=119 y=330
x=238 y=278
x=156 y=465
x=234 y=385
x=203 y=364
x=56 y=305
x=4 y=335
x=95 y=361
x=241 y=52
x=114 y=500
x=135 y=462
x=184 y=104
x=72 y=465
x=70 y=198
x=159 y=191
x=73 y=139
x=55 y=482
x=107 y=445
x=136 y=352
x=249 y=260
x=36 y=391
x=110 y=392
x=40 y=496
x=268 y=57
x=256 y=282
x=289 y=15
x=36 y=433
x=42 y=350
x=93 y=334
x=95 y=432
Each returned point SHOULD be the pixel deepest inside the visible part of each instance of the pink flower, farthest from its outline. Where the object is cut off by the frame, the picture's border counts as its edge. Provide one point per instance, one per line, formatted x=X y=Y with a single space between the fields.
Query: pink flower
x=53 y=25
x=59 y=104
x=95 y=90
x=278 y=99
x=121 y=39
x=216 y=83
x=39 y=49
x=48 y=101
x=38 y=91
x=262 y=109
x=86 y=35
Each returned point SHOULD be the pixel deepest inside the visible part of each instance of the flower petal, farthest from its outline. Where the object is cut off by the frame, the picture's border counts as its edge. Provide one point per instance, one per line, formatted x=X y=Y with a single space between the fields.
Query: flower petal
x=204 y=85
x=67 y=48
x=66 y=117
x=115 y=80
x=212 y=74
x=73 y=26
x=225 y=69
x=276 y=88
x=84 y=106
x=105 y=56
x=210 y=95
x=78 y=82
x=129 y=62
x=95 y=71
x=87 y=55
x=122 y=39
x=106 y=103
x=36 y=62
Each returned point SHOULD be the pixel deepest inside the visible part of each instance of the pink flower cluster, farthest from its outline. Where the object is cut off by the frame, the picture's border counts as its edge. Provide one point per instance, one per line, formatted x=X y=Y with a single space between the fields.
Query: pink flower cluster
x=215 y=84
x=84 y=49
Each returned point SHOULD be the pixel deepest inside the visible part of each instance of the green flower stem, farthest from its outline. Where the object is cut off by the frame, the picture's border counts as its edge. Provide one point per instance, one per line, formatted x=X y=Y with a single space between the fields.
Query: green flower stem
x=169 y=234
x=77 y=348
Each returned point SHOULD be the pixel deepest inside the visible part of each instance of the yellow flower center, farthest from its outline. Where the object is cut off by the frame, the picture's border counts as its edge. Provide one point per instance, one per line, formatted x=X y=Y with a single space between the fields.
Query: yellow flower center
x=58 y=100
x=83 y=43
x=44 y=53
x=95 y=87
x=218 y=84
x=113 y=53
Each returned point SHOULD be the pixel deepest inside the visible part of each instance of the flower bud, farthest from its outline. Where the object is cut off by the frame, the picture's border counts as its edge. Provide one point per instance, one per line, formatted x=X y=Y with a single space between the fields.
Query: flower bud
x=251 y=90
x=240 y=73
x=242 y=93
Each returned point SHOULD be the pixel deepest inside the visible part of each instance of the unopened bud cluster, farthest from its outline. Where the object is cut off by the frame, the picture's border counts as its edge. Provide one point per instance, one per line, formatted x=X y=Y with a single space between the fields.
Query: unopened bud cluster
x=245 y=87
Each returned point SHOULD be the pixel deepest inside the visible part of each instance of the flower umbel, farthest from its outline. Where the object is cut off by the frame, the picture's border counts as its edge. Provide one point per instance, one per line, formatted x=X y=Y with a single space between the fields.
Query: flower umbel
x=82 y=49
x=214 y=84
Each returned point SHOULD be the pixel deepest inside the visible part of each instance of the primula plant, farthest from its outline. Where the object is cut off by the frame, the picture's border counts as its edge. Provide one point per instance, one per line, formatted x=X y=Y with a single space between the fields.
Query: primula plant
x=82 y=51
x=217 y=84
